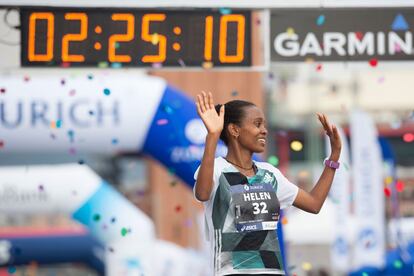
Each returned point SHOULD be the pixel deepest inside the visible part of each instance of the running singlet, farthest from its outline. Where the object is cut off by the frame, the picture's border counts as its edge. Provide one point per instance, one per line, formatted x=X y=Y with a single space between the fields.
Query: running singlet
x=241 y=217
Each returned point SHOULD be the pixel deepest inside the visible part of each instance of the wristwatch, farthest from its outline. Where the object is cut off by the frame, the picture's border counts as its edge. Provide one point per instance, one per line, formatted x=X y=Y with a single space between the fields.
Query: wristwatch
x=331 y=164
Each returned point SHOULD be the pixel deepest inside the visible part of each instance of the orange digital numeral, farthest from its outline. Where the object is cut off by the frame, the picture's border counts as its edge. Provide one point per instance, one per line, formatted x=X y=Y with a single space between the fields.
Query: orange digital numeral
x=48 y=56
x=83 y=18
x=160 y=39
x=239 y=56
x=115 y=38
x=208 y=38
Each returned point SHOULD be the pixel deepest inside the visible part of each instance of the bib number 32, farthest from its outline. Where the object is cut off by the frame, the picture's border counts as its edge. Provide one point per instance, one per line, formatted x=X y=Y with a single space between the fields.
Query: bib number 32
x=259 y=208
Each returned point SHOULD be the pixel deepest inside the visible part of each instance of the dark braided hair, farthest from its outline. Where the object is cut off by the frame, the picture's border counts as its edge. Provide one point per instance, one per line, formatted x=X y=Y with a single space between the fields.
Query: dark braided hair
x=234 y=114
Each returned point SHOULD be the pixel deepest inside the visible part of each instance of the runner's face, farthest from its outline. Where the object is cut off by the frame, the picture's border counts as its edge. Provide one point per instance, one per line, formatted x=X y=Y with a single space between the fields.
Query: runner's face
x=253 y=130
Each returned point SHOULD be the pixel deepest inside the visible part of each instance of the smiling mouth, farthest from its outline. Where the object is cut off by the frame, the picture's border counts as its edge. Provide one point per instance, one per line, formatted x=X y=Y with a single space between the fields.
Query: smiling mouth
x=262 y=141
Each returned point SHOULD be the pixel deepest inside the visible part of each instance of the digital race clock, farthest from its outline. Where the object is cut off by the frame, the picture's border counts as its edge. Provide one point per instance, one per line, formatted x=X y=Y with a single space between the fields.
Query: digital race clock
x=141 y=38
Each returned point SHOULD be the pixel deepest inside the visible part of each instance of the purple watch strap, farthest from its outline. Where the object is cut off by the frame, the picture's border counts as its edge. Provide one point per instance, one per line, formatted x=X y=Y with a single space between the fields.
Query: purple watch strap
x=331 y=164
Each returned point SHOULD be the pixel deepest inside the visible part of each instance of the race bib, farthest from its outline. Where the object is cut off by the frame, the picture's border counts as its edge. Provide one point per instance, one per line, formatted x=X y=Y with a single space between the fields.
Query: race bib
x=256 y=207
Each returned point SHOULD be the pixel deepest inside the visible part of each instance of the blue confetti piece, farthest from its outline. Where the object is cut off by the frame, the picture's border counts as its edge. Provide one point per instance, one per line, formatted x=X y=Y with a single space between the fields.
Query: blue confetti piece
x=107 y=92
x=234 y=93
x=90 y=77
x=225 y=11
x=91 y=112
x=320 y=20
x=116 y=65
x=58 y=123
x=11 y=270
x=168 y=109
x=114 y=141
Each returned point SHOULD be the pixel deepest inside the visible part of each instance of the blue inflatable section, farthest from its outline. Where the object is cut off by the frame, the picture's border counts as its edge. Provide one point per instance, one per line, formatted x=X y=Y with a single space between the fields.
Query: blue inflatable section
x=167 y=140
x=57 y=249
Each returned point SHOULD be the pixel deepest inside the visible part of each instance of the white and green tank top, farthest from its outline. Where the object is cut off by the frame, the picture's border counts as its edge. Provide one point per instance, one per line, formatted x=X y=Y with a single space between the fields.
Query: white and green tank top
x=241 y=217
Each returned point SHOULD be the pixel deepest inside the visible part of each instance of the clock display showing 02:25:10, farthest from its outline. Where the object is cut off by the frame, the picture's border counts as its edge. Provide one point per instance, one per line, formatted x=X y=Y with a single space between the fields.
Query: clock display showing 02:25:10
x=89 y=37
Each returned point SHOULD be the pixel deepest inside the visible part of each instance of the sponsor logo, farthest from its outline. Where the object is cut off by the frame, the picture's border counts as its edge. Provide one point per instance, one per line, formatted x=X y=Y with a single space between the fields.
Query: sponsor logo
x=75 y=113
x=10 y=194
x=195 y=131
x=246 y=187
x=367 y=238
x=269 y=225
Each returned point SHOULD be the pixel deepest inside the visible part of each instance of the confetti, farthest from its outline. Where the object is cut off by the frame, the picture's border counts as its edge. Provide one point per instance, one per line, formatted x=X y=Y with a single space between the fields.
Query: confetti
x=1 y=144
x=116 y=65
x=107 y=92
x=114 y=141
x=58 y=123
x=408 y=137
x=309 y=60
x=319 y=67
x=124 y=231
x=399 y=186
x=306 y=266
x=388 y=180
x=398 y=264
x=234 y=93
x=162 y=122
x=41 y=188
x=290 y=31
x=168 y=109
x=111 y=249
x=71 y=135
x=387 y=192
x=11 y=269
x=373 y=62
x=155 y=39
x=181 y=62
x=96 y=217
x=91 y=112
x=26 y=78
x=320 y=20
x=381 y=79
x=397 y=47
x=65 y=64
x=113 y=220
x=2 y=90
x=72 y=92
x=103 y=64
x=104 y=226
x=207 y=65
x=72 y=151
x=359 y=35
x=62 y=81
x=52 y=136
x=156 y=65
x=273 y=160
x=178 y=208
x=81 y=162
x=258 y=21
x=284 y=220
x=225 y=11
x=364 y=274
x=90 y=77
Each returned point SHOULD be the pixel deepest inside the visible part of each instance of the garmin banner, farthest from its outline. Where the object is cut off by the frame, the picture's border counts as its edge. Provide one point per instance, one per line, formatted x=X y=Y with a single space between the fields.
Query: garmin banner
x=342 y=34
x=369 y=250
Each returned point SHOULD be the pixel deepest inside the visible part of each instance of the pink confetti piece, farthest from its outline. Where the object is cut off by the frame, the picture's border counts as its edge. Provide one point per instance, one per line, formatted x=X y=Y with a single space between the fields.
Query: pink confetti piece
x=162 y=122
